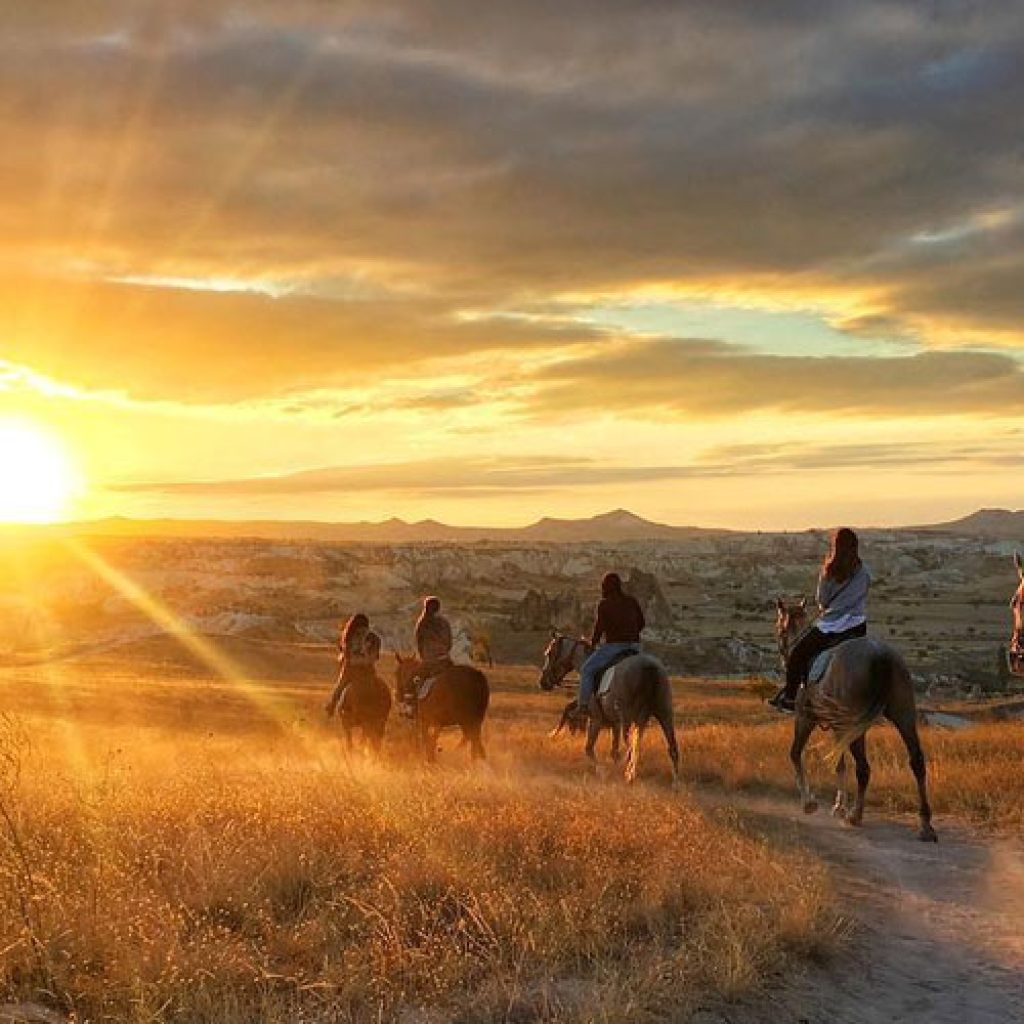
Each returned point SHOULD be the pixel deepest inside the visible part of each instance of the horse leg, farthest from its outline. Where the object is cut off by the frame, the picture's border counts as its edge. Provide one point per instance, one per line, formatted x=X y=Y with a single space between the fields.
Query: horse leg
x=839 y=807
x=427 y=742
x=616 y=742
x=859 y=750
x=668 y=727
x=633 y=738
x=802 y=730
x=593 y=731
x=906 y=725
x=471 y=735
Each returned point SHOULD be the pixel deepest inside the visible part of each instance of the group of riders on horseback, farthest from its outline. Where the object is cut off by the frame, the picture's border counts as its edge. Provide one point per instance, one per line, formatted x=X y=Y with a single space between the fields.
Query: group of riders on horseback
x=359 y=650
x=836 y=678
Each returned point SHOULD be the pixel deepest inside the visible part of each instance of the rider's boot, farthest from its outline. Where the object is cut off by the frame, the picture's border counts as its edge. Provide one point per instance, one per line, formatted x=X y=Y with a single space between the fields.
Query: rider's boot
x=783 y=702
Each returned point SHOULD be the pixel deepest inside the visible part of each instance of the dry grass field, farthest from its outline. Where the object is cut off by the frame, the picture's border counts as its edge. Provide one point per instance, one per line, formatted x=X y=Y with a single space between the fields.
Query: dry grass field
x=177 y=846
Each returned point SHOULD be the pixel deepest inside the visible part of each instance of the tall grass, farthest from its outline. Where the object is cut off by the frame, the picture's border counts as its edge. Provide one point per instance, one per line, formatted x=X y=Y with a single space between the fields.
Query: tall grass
x=155 y=873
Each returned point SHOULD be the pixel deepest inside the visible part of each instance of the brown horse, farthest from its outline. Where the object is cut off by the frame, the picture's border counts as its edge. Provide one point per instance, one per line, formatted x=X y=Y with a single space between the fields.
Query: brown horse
x=865 y=681
x=366 y=706
x=459 y=696
x=640 y=690
x=1016 y=652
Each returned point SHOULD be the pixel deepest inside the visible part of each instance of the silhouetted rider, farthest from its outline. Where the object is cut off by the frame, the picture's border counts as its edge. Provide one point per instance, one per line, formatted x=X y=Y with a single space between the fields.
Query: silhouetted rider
x=618 y=621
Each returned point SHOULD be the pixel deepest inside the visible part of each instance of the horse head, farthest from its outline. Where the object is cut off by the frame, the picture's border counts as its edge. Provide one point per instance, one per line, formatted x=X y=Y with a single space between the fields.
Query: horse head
x=405 y=670
x=790 y=622
x=559 y=659
x=1017 y=607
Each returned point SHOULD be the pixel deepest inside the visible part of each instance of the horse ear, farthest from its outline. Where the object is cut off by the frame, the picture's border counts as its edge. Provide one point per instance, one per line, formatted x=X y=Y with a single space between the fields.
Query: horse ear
x=780 y=604
x=1018 y=561
x=398 y=657
x=554 y=634
x=803 y=601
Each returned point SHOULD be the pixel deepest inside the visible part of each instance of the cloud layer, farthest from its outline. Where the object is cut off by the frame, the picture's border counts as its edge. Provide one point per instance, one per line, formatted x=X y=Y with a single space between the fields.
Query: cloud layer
x=387 y=167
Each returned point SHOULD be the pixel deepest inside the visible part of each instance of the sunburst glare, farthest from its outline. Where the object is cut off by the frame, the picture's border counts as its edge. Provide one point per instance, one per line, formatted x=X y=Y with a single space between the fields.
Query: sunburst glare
x=38 y=478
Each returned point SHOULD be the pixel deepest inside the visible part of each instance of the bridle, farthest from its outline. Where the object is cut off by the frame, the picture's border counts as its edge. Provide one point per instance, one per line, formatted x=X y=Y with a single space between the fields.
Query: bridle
x=783 y=634
x=562 y=663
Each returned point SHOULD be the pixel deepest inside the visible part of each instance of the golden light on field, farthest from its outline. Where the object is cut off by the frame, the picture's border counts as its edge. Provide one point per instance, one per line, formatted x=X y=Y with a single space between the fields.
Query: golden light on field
x=38 y=478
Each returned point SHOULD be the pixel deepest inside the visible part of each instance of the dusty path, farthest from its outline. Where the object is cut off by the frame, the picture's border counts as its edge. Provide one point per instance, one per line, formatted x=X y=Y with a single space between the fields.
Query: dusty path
x=939 y=928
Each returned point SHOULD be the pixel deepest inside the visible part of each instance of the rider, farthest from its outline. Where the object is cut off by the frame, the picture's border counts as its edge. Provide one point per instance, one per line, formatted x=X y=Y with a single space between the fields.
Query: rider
x=358 y=648
x=619 y=621
x=433 y=639
x=843 y=585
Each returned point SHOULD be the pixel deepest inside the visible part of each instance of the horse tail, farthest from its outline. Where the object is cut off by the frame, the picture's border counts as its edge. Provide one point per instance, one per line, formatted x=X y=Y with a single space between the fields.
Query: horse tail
x=847 y=724
x=647 y=692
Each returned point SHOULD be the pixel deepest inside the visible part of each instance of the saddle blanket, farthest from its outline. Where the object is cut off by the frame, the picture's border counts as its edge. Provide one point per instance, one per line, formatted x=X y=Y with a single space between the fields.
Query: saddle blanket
x=608 y=676
x=821 y=663
x=820 y=666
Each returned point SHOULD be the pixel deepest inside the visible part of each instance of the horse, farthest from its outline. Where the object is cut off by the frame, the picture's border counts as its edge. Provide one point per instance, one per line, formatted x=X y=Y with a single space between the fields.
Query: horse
x=865 y=680
x=639 y=691
x=366 y=706
x=458 y=696
x=1015 y=655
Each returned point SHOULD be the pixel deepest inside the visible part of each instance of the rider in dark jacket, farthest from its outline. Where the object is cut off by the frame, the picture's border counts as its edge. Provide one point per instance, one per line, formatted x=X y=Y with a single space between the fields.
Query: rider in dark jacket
x=618 y=621
x=433 y=639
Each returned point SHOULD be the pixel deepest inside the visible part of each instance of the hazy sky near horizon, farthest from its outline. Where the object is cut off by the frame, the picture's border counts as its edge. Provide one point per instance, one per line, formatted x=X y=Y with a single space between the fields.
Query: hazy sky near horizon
x=724 y=262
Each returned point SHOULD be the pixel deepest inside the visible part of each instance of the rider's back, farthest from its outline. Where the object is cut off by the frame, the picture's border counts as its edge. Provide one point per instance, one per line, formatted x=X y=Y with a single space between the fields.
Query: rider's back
x=620 y=619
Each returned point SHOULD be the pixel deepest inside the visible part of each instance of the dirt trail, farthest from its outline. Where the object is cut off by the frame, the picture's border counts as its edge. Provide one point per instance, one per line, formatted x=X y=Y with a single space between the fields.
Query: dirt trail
x=940 y=928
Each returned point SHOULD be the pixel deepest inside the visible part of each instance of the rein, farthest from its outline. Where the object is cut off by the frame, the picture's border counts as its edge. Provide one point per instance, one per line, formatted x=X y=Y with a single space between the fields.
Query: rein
x=564 y=665
x=784 y=643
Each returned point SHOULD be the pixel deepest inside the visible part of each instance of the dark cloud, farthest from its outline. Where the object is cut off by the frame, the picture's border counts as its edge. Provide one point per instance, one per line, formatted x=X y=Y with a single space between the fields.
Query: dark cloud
x=490 y=155
x=715 y=379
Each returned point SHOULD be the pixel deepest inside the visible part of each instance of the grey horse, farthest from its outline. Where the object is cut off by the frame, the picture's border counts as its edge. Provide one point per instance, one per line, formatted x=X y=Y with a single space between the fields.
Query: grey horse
x=866 y=680
x=640 y=690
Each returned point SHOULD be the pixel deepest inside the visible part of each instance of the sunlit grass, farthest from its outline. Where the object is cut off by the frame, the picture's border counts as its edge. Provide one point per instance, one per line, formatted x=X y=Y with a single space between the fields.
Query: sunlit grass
x=208 y=867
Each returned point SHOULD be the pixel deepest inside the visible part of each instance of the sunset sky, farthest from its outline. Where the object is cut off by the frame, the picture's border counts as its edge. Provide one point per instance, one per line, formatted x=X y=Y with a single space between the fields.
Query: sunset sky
x=753 y=264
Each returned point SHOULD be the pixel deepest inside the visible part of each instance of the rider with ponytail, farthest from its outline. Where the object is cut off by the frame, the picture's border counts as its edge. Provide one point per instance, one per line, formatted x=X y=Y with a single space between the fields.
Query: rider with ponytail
x=843 y=585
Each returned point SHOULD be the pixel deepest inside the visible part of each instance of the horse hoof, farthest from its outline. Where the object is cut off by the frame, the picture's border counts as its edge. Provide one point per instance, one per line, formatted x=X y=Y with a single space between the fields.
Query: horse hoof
x=810 y=806
x=927 y=834
x=854 y=821
x=839 y=811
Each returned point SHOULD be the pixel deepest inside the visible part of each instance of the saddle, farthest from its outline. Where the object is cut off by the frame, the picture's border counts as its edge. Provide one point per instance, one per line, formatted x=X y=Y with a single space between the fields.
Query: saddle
x=421 y=685
x=608 y=676
x=821 y=663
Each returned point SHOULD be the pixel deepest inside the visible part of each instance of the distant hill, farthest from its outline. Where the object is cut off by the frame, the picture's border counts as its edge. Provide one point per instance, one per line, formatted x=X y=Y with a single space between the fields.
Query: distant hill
x=613 y=527
x=998 y=523
x=609 y=527
x=619 y=525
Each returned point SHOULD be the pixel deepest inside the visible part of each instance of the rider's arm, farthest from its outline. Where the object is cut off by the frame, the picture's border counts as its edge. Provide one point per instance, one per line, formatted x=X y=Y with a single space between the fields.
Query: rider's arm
x=599 y=626
x=825 y=591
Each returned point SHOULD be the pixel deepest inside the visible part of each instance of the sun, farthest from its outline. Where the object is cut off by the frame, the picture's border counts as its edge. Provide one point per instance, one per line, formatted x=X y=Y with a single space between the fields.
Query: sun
x=37 y=476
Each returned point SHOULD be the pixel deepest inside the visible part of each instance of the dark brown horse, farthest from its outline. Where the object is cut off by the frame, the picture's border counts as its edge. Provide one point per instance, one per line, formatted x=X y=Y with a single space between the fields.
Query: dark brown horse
x=458 y=697
x=640 y=690
x=366 y=706
x=866 y=680
x=1016 y=652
